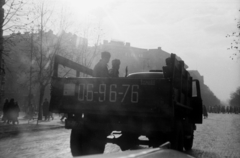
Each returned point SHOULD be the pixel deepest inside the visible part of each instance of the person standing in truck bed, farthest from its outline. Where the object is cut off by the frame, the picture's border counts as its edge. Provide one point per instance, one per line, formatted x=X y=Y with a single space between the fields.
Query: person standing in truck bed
x=101 y=68
x=114 y=71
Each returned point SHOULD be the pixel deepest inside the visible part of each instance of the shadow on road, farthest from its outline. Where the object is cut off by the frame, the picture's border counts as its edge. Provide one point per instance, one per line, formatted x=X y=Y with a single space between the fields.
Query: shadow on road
x=202 y=153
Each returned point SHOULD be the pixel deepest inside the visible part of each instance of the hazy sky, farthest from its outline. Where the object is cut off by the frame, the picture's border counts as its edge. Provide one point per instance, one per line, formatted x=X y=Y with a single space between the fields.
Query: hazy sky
x=195 y=30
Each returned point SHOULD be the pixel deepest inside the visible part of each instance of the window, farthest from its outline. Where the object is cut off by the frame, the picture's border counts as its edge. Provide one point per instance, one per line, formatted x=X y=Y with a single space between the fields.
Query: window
x=194 y=89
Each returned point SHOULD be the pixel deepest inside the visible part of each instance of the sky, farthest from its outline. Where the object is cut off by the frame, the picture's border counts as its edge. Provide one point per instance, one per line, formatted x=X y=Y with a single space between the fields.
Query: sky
x=195 y=30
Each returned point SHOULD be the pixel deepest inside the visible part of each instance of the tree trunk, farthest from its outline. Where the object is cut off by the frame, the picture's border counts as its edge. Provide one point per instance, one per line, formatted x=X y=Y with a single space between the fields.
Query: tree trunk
x=42 y=89
x=1 y=47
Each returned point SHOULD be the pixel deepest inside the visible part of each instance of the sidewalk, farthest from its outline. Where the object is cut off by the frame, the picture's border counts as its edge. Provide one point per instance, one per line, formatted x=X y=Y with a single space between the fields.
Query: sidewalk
x=25 y=126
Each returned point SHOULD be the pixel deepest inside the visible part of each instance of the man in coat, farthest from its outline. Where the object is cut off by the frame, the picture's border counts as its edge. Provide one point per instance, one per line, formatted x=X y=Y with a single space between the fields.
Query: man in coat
x=5 y=110
x=46 y=109
x=101 y=68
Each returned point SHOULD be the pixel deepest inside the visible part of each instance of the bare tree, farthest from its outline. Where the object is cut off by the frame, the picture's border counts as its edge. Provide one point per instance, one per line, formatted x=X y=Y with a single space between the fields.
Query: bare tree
x=235 y=98
x=235 y=44
x=47 y=46
x=12 y=12
x=13 y=15
x=89 y=32
x=13 y=20
x=39 y=48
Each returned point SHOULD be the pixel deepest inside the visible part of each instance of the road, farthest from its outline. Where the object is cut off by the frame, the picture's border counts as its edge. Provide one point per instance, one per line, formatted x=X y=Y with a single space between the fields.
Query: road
x=218 y=136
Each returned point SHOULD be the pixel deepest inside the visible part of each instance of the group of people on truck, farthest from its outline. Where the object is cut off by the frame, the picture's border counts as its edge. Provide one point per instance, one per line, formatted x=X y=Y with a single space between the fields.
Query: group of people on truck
x=10 y=111
x=101 y=68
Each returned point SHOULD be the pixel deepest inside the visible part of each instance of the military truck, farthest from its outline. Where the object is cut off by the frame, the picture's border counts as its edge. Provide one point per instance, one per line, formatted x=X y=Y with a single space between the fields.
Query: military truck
x=163 y=105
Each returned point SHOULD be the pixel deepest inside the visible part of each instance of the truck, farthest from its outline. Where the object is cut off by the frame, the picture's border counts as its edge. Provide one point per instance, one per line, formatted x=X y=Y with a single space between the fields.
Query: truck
x=162 y=105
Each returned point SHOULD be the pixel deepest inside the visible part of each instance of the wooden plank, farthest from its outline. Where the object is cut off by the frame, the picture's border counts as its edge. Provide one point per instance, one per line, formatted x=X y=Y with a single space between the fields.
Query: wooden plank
x=73 y=65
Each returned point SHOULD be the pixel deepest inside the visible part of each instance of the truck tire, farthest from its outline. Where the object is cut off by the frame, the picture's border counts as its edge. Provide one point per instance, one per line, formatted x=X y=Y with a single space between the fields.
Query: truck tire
x=86 y=142
x=177 y=137
x=128 y=141
x=188 y=142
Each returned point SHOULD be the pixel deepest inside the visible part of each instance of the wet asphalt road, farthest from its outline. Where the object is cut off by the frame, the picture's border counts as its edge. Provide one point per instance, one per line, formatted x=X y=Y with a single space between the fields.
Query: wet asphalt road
x=218 y=136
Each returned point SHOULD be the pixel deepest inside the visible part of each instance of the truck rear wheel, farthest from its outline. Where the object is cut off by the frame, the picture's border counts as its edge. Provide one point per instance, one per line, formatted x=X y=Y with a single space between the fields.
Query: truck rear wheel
x=188 y=142
x=177 y=137
x=86 y=142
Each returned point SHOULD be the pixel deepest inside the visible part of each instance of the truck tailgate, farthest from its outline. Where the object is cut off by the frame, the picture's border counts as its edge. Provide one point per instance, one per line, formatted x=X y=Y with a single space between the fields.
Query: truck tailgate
x=104 y=95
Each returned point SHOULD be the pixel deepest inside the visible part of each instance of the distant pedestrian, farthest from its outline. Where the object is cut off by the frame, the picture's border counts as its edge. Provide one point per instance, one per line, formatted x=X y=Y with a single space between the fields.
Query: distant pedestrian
x=10 y=111
x=114 y=71
x=30 y=112
x=209 y=109
x=235 y=109
x=214 y=109
x=218 y=109
x=223 y=109
x=227 y=109
x=205 y=114
x=46 y=110
x=15 y=113
x=231 y=109
x=5 y=109
x=50 y=115
x=238 y=109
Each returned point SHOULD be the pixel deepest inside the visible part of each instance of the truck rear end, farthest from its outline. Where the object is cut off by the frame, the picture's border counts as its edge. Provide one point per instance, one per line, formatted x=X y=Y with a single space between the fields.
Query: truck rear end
x=156 y=104
x=113 y=102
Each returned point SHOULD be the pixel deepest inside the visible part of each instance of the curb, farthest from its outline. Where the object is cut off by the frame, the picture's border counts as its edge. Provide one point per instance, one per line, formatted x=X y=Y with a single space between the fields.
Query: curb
x=19 y=131
x=46 y=128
